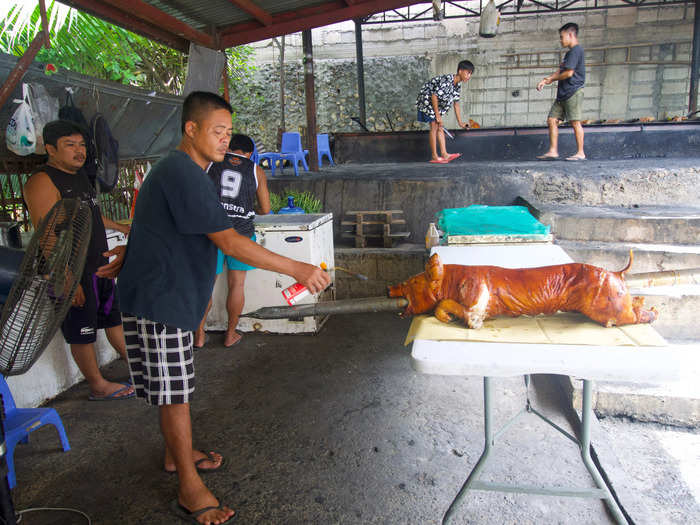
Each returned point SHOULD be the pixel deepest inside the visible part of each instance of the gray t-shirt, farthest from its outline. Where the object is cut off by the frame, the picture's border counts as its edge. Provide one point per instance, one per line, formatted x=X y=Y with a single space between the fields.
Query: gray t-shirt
x=170 y=264
x=572 y=60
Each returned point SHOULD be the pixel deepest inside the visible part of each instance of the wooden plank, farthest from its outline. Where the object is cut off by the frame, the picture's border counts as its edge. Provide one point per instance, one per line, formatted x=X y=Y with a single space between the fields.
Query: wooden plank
x=374 y=212
x=394 y=221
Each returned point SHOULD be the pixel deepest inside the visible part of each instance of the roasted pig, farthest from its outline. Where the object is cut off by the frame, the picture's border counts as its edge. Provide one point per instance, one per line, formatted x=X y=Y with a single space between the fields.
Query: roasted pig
x=476 y=293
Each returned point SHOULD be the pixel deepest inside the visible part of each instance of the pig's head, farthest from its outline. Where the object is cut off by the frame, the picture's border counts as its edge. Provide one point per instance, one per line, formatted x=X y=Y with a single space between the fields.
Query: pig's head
x=423 y=291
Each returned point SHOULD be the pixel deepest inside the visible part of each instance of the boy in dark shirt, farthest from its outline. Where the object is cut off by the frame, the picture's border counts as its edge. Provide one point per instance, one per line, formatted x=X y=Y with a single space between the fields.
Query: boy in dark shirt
x=239 y=183
x=570 y=78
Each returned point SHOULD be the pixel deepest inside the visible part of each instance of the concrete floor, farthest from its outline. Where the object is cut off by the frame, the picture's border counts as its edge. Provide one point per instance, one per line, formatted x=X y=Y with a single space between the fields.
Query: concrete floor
x=337 y=428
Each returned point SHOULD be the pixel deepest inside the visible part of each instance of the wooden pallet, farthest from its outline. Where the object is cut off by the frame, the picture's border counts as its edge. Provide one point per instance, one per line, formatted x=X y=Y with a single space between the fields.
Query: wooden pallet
x=373 y=224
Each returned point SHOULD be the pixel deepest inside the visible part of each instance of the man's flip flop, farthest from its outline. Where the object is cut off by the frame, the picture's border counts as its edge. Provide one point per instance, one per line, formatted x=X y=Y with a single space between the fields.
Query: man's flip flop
x=184 y=514
x=114 y=396
x=208 y=457
x=439 y=161
x=546 y=157
x=574 y=159
x=453 y=156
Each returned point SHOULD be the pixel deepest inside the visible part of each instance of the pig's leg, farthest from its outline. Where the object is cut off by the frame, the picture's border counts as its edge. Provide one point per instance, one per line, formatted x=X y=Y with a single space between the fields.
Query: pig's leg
x=473 y=316
x=448 y=309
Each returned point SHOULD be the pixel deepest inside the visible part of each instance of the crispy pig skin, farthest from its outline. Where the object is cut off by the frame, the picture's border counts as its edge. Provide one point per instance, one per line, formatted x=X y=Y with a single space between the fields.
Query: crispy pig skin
x=476 y=293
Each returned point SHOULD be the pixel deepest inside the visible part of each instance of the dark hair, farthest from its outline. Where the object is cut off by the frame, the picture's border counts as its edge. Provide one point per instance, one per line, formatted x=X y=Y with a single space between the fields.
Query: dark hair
x=569 y=28
x=198 y=103
x=465 y=64
x=57 y=129
x=241 y=142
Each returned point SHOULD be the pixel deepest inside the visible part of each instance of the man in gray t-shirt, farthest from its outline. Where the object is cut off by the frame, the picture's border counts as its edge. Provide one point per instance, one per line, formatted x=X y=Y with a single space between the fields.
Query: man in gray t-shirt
x=570 y=78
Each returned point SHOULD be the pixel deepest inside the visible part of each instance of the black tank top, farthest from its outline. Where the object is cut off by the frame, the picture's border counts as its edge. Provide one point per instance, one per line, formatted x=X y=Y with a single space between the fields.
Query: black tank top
x=77 y=186
x=236 y=185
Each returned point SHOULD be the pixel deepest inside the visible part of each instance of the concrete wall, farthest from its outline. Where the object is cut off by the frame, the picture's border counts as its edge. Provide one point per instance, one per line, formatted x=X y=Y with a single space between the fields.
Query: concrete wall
x=400 y=57
x=54 y=372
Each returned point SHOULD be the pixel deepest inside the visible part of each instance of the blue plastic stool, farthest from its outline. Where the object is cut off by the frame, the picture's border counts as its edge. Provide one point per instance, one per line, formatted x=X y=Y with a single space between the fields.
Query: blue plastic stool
x=20 y=422
x=324 y=148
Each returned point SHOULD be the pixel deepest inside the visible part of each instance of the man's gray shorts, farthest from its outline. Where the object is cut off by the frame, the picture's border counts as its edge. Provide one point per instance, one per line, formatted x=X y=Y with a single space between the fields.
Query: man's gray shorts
x=569 y=109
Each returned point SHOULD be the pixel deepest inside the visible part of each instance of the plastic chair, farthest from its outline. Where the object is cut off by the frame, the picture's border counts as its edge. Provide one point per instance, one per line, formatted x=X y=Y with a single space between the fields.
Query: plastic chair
x=255 y=156
x=324 y=148
x=291 y=150
x=19 y=422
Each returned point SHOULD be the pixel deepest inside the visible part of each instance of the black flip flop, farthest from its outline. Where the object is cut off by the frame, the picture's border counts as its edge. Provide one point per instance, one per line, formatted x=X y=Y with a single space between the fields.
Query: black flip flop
x=191 y=516
x=546 y=157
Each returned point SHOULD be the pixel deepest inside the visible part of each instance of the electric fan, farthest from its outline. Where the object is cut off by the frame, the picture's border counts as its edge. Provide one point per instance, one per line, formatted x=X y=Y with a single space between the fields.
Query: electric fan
x=37 y=287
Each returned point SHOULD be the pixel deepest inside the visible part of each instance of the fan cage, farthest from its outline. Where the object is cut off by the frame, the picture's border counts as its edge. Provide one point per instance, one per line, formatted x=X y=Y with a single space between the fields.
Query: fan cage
x=43 y=290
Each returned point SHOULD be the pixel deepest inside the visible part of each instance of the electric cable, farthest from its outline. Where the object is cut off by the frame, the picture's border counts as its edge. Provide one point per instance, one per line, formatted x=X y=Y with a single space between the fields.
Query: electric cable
x=61 y=509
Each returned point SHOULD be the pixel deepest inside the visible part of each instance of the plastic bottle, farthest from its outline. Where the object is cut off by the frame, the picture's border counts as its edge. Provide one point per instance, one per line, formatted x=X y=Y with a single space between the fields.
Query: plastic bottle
x=290 y=208
x=432 y=237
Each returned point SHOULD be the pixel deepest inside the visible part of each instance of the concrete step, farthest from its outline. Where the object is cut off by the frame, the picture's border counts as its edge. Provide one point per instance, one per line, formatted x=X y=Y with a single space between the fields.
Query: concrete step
x=647 y=257
x=672 y=403
x=644 y=224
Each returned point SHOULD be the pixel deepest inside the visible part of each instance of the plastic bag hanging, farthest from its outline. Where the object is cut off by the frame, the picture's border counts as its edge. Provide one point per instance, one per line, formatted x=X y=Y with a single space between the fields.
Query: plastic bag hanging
x=20 y=135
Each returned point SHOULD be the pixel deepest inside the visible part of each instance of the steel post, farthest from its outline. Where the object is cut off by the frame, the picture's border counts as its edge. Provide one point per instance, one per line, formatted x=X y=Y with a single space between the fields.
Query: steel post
x=360 y=71
x=310 y=99
x=695 y=62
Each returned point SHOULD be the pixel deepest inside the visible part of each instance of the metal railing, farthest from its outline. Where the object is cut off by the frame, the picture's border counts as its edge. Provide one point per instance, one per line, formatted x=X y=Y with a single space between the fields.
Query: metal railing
x=116 y=204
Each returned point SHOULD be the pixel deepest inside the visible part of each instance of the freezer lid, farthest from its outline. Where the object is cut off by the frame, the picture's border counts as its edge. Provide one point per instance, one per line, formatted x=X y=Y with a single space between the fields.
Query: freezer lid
x=291 y=222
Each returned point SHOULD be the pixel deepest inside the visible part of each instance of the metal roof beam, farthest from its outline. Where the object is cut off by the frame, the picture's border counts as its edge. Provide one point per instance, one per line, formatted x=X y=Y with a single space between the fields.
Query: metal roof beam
x=306 y=18
x=258 y=12
x=128 y=21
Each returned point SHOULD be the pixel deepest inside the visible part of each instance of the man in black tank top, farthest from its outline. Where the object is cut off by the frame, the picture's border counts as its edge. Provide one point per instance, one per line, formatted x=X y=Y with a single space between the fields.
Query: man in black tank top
x=238 y=182
x=95 y=304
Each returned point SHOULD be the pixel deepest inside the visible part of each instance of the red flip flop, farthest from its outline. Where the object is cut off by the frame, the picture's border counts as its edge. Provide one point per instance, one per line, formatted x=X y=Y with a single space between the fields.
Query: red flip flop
x=439 y=161
x=453 y=156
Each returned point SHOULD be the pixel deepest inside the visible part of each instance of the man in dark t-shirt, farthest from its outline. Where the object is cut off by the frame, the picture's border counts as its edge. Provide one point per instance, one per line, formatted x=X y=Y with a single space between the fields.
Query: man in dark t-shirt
x=94 y=304
x=568 y=105
x=166 y=281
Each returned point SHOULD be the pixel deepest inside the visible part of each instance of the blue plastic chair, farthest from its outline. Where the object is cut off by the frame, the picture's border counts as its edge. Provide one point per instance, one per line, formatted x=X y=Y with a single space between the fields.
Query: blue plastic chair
x=291 y=150
x=19 y=422
x=255 y=156
x=324 y=148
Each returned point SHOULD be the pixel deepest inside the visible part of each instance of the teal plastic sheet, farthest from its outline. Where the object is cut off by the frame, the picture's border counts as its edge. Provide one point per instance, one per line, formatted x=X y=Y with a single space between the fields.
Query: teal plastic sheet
x=490 y=220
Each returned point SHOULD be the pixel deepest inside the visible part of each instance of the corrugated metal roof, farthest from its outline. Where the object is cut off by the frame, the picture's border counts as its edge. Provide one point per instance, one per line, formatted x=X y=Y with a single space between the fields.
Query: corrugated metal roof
x=202 y=15
x=147 y=125
x=224 y=23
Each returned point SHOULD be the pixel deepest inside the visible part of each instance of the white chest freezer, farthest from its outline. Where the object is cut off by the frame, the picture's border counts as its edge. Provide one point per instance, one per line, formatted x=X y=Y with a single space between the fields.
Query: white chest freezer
x=305 y=237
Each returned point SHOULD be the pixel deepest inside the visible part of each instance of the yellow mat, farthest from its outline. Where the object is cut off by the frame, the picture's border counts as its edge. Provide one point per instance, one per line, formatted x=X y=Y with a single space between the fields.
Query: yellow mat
x=562 y=328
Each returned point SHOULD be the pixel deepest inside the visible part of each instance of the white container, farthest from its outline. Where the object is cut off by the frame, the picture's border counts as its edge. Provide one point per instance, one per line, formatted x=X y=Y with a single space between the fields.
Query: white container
x=305 y=237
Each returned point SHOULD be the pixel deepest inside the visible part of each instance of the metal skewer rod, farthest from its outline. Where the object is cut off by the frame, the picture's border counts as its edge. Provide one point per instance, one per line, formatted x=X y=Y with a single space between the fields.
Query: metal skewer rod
x=347 y=306
x=666 y=278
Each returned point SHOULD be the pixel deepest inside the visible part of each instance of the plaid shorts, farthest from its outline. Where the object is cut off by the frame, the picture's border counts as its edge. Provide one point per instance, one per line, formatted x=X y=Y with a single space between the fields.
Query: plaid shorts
x=160 y=361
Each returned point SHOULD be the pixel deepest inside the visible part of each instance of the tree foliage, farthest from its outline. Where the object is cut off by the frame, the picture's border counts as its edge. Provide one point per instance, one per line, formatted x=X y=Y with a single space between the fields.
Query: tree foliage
x=91 y=46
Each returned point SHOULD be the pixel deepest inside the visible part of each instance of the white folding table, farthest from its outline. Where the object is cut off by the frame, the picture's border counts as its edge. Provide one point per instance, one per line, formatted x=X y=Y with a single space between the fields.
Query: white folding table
x=472 y=358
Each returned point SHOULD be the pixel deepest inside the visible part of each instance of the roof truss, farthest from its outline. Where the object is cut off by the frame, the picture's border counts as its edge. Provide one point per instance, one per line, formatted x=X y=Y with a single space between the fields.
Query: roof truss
x=174 y=22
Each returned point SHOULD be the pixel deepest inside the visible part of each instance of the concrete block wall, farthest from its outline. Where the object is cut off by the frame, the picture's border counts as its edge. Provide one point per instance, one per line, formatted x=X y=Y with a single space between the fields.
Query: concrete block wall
x=399 y=58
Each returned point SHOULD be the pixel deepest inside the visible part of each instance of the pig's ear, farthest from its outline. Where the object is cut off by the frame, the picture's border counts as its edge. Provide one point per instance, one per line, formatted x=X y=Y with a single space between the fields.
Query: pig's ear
x=434 y=269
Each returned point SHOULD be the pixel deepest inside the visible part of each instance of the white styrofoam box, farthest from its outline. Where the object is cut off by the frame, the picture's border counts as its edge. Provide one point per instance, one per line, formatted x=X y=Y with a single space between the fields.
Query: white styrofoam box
x=305 y=237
